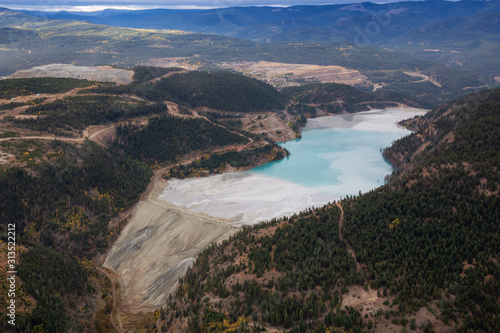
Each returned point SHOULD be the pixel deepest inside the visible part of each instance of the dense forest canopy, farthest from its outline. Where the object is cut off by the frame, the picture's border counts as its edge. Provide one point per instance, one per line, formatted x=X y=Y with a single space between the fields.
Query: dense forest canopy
x=144 y=74
x=21 y=87
x=166 y=138
x=61 y=206
x=220 y=90
x=446 y=244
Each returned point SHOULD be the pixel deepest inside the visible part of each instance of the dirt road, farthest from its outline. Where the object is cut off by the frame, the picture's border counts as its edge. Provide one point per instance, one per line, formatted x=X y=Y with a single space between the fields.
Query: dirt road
x=115 y=294
x=425 y=78
x=350 y=249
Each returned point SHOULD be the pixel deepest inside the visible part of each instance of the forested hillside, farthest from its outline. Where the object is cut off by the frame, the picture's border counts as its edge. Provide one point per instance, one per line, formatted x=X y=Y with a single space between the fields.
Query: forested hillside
x=143 y=74
x=468 y=41
x=424 y=247
x=453 y=33
x=220 y=162
x=69 y=197
x=76 y=113
x=427 y=242
x=339 y=98
x=166 y=138
x=315 y=23
x=445 y=244
x=20 y=87
x=61 y=201
x=220 y=90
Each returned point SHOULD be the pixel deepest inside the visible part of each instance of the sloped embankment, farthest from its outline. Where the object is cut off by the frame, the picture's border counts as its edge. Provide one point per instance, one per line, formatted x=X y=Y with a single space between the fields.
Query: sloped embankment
x=157 y=246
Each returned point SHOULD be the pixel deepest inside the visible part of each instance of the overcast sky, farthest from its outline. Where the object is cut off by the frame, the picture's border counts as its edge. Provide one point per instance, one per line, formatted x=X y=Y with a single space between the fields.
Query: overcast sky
x=91 y=5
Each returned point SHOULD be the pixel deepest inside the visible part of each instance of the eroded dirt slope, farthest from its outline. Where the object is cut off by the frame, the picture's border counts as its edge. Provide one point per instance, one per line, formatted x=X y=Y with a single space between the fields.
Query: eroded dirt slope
x=157 y=246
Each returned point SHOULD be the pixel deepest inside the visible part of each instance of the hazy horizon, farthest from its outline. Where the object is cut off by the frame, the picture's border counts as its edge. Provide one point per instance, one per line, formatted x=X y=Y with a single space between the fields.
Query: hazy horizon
x=91 y=6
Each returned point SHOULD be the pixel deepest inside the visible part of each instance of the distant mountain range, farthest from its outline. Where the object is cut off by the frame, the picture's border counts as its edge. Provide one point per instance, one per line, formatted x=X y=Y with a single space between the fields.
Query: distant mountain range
x=363 y=22
x=452 y=33
x=464 y=47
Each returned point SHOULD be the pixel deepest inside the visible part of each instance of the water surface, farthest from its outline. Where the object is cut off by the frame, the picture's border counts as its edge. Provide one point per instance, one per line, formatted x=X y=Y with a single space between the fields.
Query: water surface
x=336 y=156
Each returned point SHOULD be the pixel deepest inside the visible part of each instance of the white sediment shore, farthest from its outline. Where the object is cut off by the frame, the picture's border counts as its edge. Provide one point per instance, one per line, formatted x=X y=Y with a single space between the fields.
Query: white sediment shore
x=243 y=197
x=375 y=120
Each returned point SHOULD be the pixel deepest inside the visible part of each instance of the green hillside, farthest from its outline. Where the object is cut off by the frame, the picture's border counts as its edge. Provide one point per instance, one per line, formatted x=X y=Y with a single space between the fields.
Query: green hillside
x=457 y=33
x=166 y=138
x=468 y=42
x=21 y=87
x=219 y=90
x=68 y=198
x=61 y=202
x=339 y=98
x=76 y=113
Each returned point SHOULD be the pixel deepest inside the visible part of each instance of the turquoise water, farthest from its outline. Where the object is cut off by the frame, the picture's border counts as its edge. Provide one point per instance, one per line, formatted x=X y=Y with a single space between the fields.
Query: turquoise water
x=337 y=161
x=336 y=156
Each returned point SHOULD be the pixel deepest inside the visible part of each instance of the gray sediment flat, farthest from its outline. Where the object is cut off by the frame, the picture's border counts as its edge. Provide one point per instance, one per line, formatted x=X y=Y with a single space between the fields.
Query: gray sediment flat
x=157 y=246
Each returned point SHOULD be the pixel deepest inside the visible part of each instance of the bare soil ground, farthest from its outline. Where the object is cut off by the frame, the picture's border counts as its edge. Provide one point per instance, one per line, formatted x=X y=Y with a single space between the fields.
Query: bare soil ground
x=182 y=62
x=5 y=157
x=271 y=124
x=350 y=249
x=157 y=246
x=102 y=135
x=370 y=301
x=425 y=78
x=282 y=74
x=93 y=73
x=377 y=86
x=114 y=316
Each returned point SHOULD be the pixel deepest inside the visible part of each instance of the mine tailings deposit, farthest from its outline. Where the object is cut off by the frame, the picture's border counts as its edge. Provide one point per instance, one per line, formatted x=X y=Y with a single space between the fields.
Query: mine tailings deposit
x=336 y=156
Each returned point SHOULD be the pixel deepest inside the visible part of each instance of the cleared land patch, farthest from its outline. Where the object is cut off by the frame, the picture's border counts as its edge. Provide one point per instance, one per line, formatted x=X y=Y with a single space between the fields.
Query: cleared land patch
x=282 y=75
x=93 y=73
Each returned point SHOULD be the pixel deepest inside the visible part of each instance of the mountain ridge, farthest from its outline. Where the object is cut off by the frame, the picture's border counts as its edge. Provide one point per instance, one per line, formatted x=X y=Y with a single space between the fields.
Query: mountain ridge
x=230 y=21
x=402 y=26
